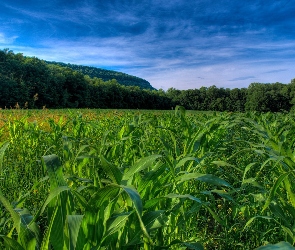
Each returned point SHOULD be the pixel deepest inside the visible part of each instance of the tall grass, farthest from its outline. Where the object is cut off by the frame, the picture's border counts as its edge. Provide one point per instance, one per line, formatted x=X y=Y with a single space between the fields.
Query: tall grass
x=146 y=180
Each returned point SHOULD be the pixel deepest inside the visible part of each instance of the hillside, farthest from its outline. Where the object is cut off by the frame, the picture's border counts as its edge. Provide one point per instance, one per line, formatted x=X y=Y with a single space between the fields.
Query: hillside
x=29 y=82
x=106 y=75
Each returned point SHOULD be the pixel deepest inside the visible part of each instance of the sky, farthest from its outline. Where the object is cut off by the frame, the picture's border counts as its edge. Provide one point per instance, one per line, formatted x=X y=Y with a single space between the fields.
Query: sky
x=182 y=44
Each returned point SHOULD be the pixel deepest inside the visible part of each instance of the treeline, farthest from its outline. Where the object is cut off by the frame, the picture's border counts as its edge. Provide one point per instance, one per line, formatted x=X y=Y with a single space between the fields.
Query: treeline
x=28 y=82
x=106 y=75
x=262 y=97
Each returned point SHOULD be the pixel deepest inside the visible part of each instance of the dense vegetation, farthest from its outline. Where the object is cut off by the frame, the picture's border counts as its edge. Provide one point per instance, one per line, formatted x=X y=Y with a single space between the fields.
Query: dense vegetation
x=106 y=75
x=260 y=97
x=146 y=180
x=28 y=82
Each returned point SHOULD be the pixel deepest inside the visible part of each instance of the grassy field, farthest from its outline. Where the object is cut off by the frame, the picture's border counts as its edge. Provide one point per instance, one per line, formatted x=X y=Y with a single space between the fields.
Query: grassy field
x=134 y=179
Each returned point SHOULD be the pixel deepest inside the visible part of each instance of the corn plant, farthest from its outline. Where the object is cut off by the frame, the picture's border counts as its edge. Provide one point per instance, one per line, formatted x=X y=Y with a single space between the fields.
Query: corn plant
x=146 y=180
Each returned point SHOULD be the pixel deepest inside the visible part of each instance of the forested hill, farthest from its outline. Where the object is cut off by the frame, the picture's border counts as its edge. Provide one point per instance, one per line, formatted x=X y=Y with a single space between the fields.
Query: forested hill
x=106 y=75
x=29 y=82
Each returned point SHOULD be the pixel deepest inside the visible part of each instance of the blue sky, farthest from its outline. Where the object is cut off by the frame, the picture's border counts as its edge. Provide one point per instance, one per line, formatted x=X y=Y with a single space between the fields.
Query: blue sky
x=183 y=44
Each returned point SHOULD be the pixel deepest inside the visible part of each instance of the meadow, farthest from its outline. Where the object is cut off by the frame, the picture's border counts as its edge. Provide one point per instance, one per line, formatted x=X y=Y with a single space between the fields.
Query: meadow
x=135 y=179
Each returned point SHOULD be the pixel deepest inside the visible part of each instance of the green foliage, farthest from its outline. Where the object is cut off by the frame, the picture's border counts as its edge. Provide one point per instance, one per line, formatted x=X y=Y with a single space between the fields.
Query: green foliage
x=154 y=180
x=107 y=75
x=28 y=82
x=268 y=97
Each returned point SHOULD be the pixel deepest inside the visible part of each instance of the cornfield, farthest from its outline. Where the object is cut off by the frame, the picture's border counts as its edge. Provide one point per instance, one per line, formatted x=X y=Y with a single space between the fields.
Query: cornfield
x=109 y=179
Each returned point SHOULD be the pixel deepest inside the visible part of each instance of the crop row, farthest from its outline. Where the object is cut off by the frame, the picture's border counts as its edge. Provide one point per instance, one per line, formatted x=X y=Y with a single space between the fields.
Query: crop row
x=146 y=180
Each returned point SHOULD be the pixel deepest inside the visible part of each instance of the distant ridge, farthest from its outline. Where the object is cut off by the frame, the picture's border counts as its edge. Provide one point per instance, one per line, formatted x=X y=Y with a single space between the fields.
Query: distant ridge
x=106 y=75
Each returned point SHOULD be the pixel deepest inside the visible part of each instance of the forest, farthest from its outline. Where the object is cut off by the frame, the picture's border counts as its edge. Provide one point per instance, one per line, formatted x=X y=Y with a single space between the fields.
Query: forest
x=29 y=82
x=106 y=75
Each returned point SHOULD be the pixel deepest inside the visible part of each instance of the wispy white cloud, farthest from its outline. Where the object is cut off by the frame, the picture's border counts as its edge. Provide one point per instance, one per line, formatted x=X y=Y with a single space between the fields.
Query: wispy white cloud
x=6 y=40
x=185 y=44
x=200 y=66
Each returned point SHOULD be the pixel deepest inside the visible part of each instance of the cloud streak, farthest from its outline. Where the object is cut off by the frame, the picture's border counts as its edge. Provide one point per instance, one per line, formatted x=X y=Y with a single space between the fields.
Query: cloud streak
x=242 y=78
x=181 y=44
x=6 y=40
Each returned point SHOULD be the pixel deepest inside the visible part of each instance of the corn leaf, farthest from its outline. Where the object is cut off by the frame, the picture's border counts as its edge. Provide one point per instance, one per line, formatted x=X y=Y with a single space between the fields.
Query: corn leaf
x=188 y=196
x=281 y=245
x=257 y=217
x=140 y=165
x=134 y=196
x=215 y=216
x=4 y=146
x=30 y=235
x=184 y=160
x=60 y=203
x=116 y=223
x=112 y=171
x=11 y=243
x=194 y=246
x=274 y=189
x=56 y=228
x=102 y=195
x=208 y=178
x=154 y=220
x=15 y=216
x=76 y=237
